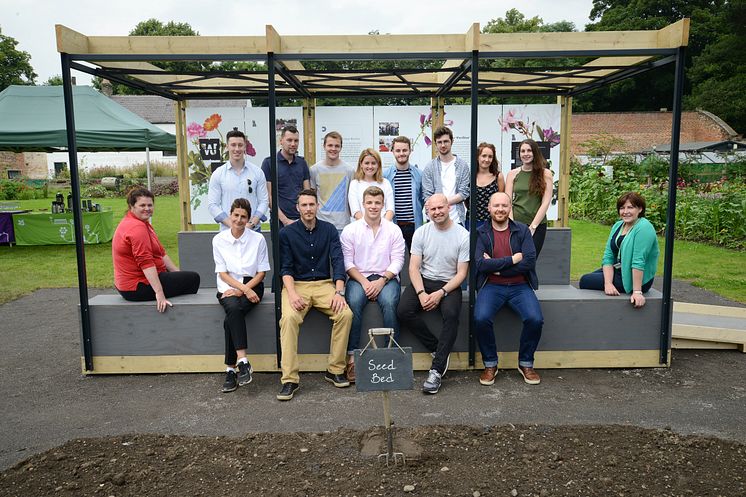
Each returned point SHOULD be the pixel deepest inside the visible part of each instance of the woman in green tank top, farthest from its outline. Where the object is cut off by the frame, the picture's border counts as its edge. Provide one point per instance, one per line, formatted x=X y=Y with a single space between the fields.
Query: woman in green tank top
x=530 y=186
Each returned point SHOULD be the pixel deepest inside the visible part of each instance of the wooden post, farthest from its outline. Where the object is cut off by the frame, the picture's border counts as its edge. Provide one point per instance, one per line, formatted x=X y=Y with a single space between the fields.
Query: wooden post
x=437 y=109
x=309 y=130
x=183 y=167
x=563 y=194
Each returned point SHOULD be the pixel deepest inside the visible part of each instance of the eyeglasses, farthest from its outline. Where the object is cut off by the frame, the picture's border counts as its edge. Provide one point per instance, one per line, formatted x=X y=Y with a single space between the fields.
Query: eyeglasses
x=251 y=190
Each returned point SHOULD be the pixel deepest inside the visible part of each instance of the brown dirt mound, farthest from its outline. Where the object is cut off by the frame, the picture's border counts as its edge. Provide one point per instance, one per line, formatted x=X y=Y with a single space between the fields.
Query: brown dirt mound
x=444 y=460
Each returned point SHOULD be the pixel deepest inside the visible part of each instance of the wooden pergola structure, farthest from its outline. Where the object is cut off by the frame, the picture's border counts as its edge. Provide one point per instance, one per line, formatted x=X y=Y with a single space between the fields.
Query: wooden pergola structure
x=472 y=64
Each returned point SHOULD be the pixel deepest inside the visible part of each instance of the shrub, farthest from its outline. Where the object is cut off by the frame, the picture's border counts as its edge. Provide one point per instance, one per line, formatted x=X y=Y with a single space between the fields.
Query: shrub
x=171 y=188
x=19 y=190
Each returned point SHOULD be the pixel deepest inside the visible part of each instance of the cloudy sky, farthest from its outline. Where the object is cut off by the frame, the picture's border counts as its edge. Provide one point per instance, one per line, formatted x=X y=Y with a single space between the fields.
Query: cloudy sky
x=31 y=23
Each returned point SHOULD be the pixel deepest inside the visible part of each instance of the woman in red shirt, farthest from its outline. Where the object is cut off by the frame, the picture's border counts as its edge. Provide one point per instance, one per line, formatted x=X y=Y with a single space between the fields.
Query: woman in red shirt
x=142 y=270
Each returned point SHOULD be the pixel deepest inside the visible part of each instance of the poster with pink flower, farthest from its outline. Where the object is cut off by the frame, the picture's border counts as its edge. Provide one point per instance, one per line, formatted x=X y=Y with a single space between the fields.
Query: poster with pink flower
x=414 y=122
x=206 y=130
x=539 y=122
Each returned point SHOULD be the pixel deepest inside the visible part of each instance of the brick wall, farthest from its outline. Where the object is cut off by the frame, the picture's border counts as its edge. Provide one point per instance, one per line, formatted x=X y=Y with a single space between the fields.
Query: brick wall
x=643 y=130
x=32 y=165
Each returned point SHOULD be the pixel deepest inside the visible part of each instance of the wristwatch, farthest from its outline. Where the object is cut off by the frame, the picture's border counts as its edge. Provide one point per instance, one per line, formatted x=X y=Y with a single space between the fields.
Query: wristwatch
x=340 y=293
x=421 y=291
x=445 y=294
x=386 y=278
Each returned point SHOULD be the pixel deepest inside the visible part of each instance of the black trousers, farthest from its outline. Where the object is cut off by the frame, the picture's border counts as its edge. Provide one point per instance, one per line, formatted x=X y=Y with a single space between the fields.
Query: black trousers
x=234 y=323
x=410 y=317
x=539 y=236
x=407 y=231
x=174 y=284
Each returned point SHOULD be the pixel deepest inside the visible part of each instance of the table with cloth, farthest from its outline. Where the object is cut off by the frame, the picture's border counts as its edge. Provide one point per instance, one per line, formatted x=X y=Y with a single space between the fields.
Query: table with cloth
x=46 y=228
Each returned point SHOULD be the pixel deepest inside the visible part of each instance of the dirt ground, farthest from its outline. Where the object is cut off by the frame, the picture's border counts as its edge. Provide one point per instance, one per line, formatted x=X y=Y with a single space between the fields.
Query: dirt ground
x=444 y=460
x=630 y=432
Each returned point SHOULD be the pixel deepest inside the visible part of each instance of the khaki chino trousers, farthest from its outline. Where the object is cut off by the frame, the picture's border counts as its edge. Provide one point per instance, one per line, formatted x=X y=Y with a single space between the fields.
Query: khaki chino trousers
x=317 y=294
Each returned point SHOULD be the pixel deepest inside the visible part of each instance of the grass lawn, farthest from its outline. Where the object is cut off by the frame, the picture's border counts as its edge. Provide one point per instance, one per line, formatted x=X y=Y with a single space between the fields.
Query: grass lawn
x=26 y=269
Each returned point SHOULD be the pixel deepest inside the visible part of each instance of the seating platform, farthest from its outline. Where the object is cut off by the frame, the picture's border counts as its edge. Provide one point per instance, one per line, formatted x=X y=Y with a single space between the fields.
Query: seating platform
x=582 y=329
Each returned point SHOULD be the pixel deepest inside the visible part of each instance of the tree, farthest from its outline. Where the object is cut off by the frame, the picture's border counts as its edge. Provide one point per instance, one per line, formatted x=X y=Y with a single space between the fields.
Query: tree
x=154 y=27
x=15 y=65
x=55 y=80
x=651 y=90
x=718 y=75
x=516 y=22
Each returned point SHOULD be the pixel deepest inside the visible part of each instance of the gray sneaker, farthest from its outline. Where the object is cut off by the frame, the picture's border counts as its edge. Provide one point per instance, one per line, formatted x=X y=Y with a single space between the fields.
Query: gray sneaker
x=432 y=383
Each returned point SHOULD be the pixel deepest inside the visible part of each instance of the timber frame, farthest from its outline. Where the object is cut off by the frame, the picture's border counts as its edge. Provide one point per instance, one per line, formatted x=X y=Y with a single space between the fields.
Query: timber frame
x=434 y=66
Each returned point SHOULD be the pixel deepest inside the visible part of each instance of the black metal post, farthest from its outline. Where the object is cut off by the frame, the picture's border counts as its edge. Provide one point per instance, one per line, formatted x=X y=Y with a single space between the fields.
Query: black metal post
x=673 y=173
x=473 y=201
x=85 y=316
x=275 y=220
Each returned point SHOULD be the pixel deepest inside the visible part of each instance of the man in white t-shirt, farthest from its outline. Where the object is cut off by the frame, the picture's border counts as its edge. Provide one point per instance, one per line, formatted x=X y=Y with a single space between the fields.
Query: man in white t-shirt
x=331 y=178
x=447 y=174
x=438 y=264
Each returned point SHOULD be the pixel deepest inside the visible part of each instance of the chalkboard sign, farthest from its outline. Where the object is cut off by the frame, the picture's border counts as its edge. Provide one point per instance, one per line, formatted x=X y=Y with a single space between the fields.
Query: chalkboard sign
x=384 y=369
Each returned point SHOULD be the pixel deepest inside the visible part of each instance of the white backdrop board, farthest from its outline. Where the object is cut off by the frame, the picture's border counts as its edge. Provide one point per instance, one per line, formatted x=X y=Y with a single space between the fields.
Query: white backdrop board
x=355 y=124
x=375 y=127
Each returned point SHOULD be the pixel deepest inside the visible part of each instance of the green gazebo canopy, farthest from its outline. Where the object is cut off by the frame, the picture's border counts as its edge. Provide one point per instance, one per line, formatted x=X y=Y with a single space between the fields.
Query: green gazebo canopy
x=32 y=119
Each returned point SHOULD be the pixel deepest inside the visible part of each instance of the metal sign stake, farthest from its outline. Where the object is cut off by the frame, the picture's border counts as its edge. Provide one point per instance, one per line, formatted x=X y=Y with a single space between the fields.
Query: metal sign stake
x=389 y=454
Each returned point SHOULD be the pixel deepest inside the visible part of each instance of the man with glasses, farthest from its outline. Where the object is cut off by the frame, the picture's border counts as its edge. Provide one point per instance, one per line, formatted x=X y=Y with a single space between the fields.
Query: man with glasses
x=447 y=174
x=237 y=178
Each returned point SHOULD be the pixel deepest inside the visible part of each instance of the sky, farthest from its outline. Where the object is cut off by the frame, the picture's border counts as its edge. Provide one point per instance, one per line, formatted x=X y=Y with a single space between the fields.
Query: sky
x=31 y=23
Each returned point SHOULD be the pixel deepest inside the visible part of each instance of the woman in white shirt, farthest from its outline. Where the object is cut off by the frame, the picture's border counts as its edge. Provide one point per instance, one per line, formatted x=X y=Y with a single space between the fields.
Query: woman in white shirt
x=241 y=261
x=369 y=173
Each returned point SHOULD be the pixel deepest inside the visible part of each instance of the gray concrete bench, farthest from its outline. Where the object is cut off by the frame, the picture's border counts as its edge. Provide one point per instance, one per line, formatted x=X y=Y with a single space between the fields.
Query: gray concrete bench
x=195 y=254
x=582 y=329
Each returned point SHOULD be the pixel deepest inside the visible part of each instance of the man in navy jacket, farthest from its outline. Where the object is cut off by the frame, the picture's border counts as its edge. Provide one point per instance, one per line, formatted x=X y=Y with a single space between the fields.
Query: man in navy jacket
x=505 y=259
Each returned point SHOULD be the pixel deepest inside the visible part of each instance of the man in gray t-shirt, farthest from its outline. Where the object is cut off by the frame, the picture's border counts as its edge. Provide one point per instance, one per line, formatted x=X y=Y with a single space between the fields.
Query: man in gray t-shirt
x=331 y=178
x=438 y=264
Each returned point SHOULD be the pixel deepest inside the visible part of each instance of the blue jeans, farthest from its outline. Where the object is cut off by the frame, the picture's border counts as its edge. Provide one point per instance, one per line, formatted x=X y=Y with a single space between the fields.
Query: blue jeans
x=522 y=299
x=388 y=301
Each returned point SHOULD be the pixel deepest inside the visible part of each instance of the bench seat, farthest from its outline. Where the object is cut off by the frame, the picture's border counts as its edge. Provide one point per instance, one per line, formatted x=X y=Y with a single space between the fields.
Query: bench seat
x=582 y=329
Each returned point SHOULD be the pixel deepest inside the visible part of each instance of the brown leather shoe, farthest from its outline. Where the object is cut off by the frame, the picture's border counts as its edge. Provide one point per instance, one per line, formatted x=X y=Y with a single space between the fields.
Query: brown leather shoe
x=350 y=371
x=530 y=375
x=488 y=375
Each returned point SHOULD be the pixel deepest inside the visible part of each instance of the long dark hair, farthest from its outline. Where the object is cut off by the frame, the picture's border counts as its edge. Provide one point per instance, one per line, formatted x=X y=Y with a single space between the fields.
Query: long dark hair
x=536 y=184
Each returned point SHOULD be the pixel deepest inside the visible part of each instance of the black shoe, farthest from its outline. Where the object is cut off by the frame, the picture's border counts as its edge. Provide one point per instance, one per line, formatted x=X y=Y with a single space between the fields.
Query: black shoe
x=230 y=382
x=287 y=391
x=244 y=373
x=338 y=380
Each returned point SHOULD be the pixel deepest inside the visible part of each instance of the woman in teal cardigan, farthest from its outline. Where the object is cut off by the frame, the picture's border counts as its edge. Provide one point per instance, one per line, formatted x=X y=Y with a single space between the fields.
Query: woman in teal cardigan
x=631 y=256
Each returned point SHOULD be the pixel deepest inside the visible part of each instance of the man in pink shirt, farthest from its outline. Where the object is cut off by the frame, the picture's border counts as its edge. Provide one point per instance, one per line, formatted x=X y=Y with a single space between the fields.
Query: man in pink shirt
x=373 y=249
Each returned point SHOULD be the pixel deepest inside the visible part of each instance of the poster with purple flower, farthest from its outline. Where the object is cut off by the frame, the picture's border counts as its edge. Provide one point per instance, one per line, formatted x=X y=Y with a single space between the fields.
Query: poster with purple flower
x=539 y=122
x=413 y=122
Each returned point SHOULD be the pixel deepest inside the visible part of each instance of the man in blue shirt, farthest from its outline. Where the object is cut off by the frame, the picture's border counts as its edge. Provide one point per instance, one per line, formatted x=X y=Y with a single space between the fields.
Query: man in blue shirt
x=292 y=173
x=313 y=275
x=237 y=178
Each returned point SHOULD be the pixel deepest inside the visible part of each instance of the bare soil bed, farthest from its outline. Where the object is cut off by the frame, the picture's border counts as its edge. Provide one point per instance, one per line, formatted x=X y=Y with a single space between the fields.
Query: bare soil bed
x=442 y=460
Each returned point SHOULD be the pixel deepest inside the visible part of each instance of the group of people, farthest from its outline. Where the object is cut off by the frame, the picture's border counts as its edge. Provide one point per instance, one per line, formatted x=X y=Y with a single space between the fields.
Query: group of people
x=342 y=245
